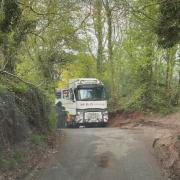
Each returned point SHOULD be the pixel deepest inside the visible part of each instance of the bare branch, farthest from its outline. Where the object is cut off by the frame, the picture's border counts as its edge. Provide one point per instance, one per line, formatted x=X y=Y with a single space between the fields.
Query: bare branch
x=17 y=77
x=37 y=35
x=34 y=11
x=82 y=22
x=139 y=11
x=4 y=66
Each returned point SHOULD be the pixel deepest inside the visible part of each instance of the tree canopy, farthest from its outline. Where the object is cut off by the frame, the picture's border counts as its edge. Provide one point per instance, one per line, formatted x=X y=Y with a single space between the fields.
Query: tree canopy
x=132 y=46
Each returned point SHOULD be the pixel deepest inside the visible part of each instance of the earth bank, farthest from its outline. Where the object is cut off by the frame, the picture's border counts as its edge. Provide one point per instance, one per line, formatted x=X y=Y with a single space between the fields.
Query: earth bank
x=164 y=132
x=25 y=132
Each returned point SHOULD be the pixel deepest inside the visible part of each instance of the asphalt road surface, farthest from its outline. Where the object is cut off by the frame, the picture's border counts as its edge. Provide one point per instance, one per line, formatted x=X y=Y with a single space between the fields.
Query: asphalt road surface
x=103 y=154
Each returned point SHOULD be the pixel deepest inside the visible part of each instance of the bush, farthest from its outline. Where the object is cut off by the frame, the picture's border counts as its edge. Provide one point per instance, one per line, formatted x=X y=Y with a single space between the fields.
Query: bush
x=36 y=107
x=52 y=118
x=20 y=87
x=113 y=104
x=3 y=88
x=11 y=160
x=135 y=101
x=38 y=138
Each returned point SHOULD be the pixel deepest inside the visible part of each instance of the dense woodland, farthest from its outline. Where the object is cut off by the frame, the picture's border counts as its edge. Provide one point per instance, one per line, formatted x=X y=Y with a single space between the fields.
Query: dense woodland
x=131 y=45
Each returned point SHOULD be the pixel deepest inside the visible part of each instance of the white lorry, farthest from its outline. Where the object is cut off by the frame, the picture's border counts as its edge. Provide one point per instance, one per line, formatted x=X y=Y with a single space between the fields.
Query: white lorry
x=85 y=102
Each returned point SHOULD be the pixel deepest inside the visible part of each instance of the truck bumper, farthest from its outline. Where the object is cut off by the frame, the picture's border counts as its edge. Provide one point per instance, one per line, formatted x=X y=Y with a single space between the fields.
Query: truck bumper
x=75 y=124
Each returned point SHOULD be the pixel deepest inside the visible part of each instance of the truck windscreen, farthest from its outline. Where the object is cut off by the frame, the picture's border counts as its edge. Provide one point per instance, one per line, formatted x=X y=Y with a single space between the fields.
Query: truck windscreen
x=90 y=94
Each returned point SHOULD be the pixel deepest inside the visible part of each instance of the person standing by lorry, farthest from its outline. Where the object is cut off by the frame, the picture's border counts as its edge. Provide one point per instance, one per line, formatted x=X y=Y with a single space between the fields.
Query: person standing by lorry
x=60 y=111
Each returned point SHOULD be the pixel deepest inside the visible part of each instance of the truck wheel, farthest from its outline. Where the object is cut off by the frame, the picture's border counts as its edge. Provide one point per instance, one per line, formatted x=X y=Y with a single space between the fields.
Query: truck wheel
x=104 y=124
x=75 y=125
x=68 y=125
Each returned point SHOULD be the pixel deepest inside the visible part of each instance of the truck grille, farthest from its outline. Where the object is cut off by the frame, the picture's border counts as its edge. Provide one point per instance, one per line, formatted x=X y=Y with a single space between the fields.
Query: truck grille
x=93 y=115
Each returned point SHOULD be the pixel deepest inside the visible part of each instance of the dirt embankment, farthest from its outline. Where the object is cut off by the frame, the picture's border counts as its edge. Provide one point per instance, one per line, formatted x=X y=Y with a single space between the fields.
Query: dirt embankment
x=165 y=134
x=24 y=130
x=27 y=158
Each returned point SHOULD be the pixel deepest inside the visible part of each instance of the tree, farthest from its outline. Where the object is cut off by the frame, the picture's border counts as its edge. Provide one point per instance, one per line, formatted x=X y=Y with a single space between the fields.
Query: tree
x=98 y=26
x=52 y=45
x=108 y=11
x=168 y=26
x=45 y=42
x=13 y=29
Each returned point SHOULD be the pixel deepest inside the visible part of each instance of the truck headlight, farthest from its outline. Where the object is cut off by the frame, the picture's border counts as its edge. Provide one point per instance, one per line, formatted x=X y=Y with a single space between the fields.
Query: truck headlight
x=79 y=115
x=105 y=116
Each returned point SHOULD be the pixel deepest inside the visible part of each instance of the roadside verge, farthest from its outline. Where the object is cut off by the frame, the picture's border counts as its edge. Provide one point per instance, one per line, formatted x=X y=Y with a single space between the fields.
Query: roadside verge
x=165 y=134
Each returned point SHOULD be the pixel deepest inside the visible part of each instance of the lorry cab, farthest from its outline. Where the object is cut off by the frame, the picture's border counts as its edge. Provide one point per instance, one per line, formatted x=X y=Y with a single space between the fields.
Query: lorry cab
x=85 y=102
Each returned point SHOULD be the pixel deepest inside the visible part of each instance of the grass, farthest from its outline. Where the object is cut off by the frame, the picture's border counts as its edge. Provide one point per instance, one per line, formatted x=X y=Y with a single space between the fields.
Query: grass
x=52 y=118
x=10 y=161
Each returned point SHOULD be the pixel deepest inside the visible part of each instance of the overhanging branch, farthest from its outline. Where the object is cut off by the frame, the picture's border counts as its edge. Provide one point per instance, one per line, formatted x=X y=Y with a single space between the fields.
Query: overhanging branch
x=17 y=77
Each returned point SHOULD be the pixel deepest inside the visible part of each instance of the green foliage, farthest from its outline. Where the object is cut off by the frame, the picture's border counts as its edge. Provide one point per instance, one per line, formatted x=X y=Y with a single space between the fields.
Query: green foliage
x=38 y=138
x=17 y=156
x=10 y=161
x=168 y=27
x=47 y=43
x=14 y=28
x=83 y=66
x=7 y=163
x=3 y=88
x=142 y=72
x=52 y=118
x=135 y=101
x=114 y=104
x=20 y=87
x=11 y=15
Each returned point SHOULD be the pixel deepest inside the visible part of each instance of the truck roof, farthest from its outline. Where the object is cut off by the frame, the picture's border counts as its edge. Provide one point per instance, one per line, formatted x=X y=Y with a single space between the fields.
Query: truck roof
x=82 y=79
x=79 y=81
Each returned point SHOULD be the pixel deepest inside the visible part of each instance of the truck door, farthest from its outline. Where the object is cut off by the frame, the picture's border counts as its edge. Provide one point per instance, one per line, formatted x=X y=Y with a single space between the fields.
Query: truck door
x=69 y=101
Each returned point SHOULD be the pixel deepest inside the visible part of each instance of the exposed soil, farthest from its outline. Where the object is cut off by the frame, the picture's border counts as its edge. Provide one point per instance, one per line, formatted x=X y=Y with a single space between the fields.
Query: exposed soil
x=54 y=148
x=165 y=132
x=168 y=153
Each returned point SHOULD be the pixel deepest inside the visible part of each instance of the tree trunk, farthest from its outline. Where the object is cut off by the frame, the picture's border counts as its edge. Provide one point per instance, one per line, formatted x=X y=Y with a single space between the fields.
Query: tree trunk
x=169 y=72
x=110 y=47
x=98 y=26
x=9 y=57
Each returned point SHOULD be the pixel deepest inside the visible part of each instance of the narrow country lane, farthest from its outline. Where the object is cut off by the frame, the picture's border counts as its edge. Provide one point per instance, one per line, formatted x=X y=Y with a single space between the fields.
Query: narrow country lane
x=103 y=154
